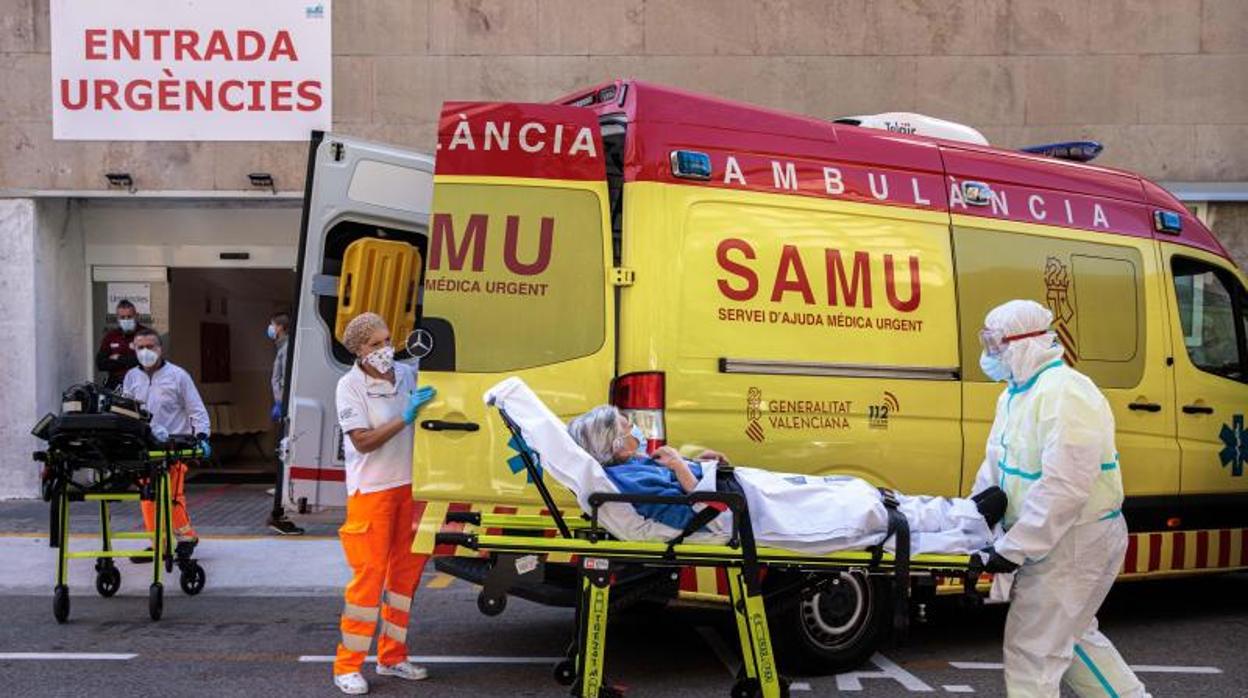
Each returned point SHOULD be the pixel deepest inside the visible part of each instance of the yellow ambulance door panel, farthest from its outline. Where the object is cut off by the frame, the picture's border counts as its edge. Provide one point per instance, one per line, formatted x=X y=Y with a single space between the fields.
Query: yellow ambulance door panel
x=516 y=285
x=1103 y=291
x=1210 y=320
x=816 y=337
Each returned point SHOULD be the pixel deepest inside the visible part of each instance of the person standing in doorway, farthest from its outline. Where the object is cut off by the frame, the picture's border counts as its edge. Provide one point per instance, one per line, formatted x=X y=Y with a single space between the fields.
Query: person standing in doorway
x=278 y=333
x=168 y=393
x=116 y=353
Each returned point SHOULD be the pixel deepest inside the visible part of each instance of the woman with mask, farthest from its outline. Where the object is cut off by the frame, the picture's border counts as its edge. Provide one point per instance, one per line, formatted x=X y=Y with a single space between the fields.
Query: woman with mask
x=377 y=402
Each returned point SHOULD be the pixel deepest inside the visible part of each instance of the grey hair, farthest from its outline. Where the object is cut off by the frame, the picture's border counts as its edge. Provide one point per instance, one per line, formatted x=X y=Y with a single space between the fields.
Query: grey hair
x=360 y=330
x=596 y=431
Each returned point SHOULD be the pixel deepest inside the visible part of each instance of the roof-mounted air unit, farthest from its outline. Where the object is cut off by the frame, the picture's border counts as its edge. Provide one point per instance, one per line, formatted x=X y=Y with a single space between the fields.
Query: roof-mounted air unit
x=918 y=125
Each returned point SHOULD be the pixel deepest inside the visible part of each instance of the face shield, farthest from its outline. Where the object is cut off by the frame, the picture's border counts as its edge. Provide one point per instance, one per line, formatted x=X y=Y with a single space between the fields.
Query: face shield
x=994 y=342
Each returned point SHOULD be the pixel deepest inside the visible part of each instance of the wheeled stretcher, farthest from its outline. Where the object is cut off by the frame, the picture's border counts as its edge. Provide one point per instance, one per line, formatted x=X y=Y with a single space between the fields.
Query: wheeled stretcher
x=519 y=545
x=101 y=449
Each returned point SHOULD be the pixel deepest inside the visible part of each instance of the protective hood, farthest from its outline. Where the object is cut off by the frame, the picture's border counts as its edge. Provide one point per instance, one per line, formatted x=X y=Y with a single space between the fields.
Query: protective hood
x=1025 y=357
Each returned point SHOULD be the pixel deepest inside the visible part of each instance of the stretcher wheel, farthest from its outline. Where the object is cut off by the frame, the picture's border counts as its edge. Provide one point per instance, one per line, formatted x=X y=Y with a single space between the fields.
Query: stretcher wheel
x=746 y=688
x=60 y=603
x=156 y=600
x=192 y=579
x=491 y=605
x=107 y=581
x=565 y=672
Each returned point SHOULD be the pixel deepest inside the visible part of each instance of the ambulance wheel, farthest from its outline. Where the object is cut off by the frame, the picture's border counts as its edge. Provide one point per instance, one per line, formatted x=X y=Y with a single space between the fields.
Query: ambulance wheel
x=156 y=600
x=60 y=603
x=192 y=579
x=107 y=581
x=833 y=627
x=491 y=605
x=565 y=672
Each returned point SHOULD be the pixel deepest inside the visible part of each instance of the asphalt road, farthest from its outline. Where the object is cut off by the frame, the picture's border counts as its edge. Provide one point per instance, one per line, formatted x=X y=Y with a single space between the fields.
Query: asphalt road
x=1188 y=635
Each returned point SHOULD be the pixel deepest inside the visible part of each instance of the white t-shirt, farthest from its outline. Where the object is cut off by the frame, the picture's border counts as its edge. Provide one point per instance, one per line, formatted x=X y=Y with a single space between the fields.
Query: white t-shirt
x=364 y=402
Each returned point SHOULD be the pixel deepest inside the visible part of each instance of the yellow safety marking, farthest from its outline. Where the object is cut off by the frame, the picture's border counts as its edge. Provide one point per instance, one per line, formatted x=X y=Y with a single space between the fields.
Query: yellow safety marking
x=430 y=522
x=1167 y=552
x=1237 y=544
x=706 y=580
x=1189 y=552
x=440 y=581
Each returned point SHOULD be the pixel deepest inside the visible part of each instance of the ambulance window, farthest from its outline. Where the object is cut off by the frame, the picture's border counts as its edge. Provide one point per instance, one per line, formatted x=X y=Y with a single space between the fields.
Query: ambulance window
x=516 y=277
x=1212 y=332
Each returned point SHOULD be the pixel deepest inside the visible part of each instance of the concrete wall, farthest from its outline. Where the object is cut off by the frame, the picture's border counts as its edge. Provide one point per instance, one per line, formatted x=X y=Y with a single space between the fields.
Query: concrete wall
x=1160 y=81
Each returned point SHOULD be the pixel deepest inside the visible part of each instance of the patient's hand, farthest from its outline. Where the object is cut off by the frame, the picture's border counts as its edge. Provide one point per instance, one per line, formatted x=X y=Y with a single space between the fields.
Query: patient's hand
x=708 y=454
x=667 y=457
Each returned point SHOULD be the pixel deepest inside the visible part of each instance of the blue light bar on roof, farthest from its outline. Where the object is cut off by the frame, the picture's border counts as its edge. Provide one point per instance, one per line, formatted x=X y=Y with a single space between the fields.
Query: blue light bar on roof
x=1167 y=222
x=690 y=164
x=1078 y=151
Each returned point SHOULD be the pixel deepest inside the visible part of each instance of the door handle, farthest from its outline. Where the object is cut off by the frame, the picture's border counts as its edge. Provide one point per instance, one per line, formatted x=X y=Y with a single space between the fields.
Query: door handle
x=1144 y=407
x=439 y=425
x=1197 y=409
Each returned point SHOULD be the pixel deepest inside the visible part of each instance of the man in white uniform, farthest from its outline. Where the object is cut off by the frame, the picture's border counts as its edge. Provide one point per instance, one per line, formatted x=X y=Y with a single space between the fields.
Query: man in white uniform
x=1052 y=450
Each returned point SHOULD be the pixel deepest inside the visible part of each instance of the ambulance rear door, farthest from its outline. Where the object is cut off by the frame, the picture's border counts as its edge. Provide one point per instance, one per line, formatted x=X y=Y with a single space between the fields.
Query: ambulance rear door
x=517 y=285
x=362 y=248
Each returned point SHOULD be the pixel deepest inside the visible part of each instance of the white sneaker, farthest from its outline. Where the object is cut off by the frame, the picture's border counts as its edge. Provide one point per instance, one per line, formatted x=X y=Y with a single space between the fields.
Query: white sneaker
x=352 y=684
x=403 y=670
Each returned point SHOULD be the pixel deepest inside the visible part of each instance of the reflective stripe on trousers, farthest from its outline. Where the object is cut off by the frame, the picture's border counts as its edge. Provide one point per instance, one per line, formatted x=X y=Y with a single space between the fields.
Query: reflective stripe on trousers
x=377 y=541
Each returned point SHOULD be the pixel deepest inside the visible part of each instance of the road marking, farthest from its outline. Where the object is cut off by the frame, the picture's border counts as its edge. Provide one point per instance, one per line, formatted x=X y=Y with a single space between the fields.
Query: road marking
x=442 y=659
x=720 y=648
x=852 y=681
x=959 y=688
x=800 y=686
x=73 y=656
x=1137 y=668
x=440 y=581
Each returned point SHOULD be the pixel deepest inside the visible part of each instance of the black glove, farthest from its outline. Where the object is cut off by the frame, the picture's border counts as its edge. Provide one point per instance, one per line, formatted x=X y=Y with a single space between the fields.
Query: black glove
x=994 y=563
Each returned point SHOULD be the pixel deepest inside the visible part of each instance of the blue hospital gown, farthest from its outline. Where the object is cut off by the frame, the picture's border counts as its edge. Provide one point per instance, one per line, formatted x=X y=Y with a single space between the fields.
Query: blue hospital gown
x=645 y=476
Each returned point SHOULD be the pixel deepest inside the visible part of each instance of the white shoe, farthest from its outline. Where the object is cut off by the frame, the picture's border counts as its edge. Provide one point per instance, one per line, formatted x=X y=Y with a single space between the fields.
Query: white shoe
x=403 y=670
x=352 y=684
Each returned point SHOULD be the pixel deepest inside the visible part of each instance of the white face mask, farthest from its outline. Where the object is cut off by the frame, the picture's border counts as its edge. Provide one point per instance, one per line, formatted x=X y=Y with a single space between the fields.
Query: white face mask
x=382 y=360
x=126 y=324
x=147 y=357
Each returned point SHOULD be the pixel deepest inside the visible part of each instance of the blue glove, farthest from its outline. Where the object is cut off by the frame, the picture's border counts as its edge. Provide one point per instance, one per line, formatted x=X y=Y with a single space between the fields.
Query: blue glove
x=275 y=414
x=417 y=400
x=204 y=446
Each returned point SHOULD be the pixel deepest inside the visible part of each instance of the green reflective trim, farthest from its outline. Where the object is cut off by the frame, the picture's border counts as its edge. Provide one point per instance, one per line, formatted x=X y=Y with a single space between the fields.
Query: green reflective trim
x=116 y=497
x=1111 y=515
x=1109 y=690
x=1026 y=475
x=1016 y=389
x=83 y=554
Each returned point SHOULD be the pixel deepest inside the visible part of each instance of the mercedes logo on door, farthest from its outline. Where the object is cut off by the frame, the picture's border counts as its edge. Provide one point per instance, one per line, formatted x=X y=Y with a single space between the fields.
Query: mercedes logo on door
x=419 y=343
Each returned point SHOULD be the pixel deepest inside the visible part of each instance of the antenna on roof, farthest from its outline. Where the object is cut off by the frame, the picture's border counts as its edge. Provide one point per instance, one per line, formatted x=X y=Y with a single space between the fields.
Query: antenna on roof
x=918 y=125
x=1078 y=151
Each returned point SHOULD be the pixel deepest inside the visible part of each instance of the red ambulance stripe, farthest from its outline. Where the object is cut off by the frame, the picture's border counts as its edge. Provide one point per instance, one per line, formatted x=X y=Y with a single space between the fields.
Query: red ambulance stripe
x=500 y=510
x=721 y=581
x=1133 y=545
x=418 y=513
x=1154 y=552
x=298 y=472
x=688 y=579
x=1202 y=549
x=1224 y=548
x=1178 y=550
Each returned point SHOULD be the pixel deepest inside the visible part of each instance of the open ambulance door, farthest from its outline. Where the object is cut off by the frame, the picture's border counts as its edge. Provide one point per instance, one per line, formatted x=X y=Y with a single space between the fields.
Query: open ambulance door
x=517 y=285
x=362 y=248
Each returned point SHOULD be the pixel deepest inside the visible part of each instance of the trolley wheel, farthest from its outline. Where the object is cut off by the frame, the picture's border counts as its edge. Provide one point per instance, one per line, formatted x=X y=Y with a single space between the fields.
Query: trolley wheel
x=60 y=603
x=491 y=605
x=107 y=581
x=192 y=579
x=156 y=600
x=565 y=672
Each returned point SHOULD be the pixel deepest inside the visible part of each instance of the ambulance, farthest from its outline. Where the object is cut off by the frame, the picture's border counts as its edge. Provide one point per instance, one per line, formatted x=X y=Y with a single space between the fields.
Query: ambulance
x=797 y=293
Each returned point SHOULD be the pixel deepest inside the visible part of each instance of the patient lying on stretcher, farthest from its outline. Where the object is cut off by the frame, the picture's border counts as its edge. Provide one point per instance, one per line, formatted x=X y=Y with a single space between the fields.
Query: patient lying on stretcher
x=807 y=513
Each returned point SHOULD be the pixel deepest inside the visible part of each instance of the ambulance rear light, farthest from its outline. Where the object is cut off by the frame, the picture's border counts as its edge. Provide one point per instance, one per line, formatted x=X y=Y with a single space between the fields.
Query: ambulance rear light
x=1169 y=222
x=1076 y=151
x=690 y=164
x=642 y=398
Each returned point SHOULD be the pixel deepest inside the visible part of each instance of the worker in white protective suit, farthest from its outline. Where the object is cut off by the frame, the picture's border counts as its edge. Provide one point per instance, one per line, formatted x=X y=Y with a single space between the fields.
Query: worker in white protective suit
x=1051 y=449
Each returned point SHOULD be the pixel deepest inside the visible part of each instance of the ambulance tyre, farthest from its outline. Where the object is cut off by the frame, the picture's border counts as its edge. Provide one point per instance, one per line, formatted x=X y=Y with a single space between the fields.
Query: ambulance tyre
x=833 y=628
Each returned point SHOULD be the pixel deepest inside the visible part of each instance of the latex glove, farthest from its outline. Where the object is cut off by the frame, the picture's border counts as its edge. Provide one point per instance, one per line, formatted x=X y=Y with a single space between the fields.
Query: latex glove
x=994 y=563
x=417 y=400
x=204 y=446
x=275 y=414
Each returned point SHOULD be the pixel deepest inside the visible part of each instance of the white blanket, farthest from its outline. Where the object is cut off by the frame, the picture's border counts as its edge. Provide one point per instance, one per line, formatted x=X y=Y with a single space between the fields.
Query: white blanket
x=806 y=513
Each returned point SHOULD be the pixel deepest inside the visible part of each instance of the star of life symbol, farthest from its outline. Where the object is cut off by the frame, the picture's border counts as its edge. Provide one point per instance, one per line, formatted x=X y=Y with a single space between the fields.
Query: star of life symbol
x=1235 y=437
x=516 y=462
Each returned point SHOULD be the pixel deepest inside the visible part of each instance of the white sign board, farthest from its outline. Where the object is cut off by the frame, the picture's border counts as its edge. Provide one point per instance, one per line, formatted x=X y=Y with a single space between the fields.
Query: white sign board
x=181 y=70
x=139 y=294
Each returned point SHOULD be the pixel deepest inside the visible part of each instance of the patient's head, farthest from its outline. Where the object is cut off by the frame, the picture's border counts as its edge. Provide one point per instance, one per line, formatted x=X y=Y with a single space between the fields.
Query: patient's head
x=605 y=434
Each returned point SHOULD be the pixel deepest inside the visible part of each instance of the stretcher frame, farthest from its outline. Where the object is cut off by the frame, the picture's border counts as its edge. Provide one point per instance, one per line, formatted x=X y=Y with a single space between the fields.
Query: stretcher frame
x=520 y=544
x=150 y=483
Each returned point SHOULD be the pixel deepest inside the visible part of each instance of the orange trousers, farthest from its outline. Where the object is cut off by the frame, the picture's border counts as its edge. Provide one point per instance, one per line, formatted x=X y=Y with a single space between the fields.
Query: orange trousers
x=182 y=530
x=377 y=539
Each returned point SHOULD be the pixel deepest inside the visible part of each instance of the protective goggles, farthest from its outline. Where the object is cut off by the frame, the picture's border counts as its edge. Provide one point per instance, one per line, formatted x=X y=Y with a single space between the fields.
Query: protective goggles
x=995 y=341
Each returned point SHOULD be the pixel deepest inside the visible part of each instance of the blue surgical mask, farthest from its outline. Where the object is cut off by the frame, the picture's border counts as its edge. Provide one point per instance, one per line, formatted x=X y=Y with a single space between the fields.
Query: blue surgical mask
x=641 y=440
x=127 y=324
x=994 y=367
x=271 y=332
